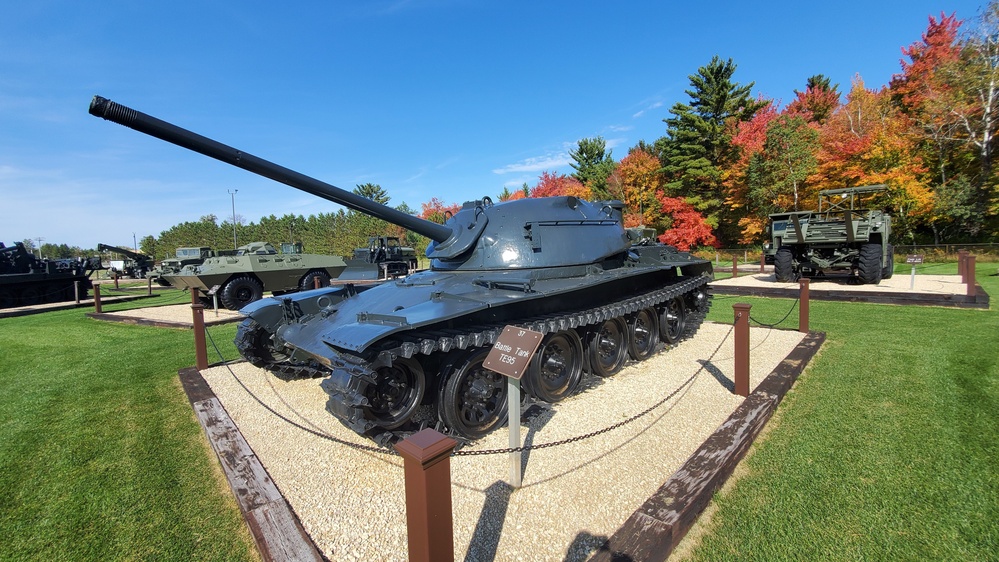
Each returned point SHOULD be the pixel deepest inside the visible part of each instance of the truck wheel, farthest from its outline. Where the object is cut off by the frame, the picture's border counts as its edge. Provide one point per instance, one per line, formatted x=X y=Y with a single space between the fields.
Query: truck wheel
x=784 y=266
x=241 y=291
x=869 y=267
x=308 y=281
x=889 y=268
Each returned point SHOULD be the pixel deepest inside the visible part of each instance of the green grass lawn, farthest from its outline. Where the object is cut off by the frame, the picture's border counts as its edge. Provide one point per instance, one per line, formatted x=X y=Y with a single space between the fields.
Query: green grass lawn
x=886 y=449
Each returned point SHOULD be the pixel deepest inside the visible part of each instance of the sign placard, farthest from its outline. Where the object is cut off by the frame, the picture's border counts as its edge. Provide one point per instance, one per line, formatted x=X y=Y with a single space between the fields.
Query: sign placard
x=214 y=289
x=914 y=258
x=512 y=352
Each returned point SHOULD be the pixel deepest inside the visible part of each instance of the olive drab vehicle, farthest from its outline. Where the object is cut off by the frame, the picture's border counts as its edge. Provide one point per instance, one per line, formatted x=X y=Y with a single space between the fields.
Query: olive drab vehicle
x=27 y=280
x=135 y=265
x=408 y=353
x=383 y=258
x=840 y=237
x=242 y=278
x=183 y=257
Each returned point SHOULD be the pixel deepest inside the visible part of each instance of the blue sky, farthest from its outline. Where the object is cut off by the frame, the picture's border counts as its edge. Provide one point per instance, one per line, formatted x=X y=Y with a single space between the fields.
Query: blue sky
x=452 y=99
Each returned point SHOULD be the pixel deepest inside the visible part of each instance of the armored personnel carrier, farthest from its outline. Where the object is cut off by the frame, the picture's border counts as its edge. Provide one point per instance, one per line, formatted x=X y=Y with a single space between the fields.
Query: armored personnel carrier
x=257 y=267
x=842 y=236
x=183 y=257
x=27 y=280
x=559 y=265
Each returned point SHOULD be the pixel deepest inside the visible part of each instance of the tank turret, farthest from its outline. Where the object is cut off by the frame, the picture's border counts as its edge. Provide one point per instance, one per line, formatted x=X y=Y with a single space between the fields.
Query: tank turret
x=563 y=266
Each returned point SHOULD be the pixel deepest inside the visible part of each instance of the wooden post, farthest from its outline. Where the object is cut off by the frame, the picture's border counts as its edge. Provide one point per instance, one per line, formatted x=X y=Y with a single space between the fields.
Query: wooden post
x=969 y=270
x=76 y=291
x=97 y=298
x=427 y=462
x=200 y=348
x=149 y=283
x=315 y=282
x=803 y=305
x=763 y=261
x=116 y=281
x=735 y=266
x=741 y=348
x=962 y=260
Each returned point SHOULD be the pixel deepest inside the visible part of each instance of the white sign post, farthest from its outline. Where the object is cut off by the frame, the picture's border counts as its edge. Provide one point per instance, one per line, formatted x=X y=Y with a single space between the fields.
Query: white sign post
x=511 y=356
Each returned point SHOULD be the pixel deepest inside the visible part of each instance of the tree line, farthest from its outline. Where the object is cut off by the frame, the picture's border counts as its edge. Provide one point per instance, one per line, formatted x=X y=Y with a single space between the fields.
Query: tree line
x=729 y=159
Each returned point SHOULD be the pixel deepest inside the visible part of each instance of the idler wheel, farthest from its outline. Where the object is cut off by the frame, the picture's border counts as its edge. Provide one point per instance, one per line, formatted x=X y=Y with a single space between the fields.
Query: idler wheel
x=607 y=347
x=643 y=327
x=473 y=398
x=672 y=321
x=256 y=345
x=557 y=367
x=396 y=393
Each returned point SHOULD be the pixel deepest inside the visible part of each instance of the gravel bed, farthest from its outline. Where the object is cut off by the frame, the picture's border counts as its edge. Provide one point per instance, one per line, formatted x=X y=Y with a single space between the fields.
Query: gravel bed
x=176 y=313
x=352 y=501
x=899 y=283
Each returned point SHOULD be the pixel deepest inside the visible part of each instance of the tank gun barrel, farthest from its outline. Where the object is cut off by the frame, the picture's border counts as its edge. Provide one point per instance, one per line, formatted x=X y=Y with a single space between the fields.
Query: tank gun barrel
x=117 y=113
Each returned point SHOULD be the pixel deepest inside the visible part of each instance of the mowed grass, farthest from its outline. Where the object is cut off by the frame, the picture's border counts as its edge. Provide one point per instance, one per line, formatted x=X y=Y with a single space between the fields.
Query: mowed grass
x=101 y=457
x=886 y=449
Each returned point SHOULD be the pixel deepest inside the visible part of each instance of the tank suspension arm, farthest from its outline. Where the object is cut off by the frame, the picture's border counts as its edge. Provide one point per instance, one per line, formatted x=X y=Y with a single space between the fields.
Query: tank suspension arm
x=117 y=113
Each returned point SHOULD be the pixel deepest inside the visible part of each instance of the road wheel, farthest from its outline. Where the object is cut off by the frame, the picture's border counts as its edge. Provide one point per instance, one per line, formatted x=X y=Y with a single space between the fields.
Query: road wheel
x=889 y=268
x=557 y=367
x=256 y=345
x=241 y=291
x=473 y=398
x=869 y=267
x=672 y=321
x=607 y=347
x=308 y=282
x=396 y=393
x=643 y=327
x=784 y=266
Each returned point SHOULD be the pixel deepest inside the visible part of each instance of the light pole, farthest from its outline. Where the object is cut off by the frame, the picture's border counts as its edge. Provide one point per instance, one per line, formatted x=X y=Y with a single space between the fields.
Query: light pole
x=233 y=195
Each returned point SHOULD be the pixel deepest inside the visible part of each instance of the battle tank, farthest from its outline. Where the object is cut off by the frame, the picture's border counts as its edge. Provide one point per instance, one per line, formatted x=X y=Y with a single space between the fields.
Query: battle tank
x=242 y=278
x=559 y=265
x=27 y=280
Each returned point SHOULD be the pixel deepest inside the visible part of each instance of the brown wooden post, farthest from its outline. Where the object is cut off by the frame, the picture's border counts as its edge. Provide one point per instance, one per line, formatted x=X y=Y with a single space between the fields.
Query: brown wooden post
x=116 y=281
x=763 y=261
x=200 y=348
x=969 y=270
x=735 y=266
x=962 y=260
x=803 y=305
x=76 y=291
x=741 y=348
x=149 y=283
x=315 y=282
x=97 y=298
x=427 y=462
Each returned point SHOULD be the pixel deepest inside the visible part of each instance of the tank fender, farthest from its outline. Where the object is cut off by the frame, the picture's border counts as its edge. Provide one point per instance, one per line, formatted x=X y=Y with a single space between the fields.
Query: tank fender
x=270 y=312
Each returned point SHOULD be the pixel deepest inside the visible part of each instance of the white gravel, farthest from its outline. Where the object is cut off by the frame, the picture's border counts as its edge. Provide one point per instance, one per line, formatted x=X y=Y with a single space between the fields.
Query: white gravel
x=352 y=502
x=899 y=283
x=177 y=313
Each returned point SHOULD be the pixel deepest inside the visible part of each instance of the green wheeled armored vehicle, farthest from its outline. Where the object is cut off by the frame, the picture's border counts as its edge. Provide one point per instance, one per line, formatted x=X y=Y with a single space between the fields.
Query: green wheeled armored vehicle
x=173 y=266
x=842 y=236
x=257 y=267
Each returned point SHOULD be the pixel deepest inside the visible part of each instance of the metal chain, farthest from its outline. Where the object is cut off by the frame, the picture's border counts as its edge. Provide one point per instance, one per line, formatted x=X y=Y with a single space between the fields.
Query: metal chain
x=795 y=303
x=599 y=431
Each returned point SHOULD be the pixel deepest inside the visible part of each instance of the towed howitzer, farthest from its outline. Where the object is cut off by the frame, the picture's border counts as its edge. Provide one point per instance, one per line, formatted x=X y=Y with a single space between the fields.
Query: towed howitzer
x=559 y=265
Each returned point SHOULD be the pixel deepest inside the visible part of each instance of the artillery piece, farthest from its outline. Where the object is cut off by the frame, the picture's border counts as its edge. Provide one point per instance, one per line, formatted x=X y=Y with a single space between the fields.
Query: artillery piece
x=137 y=265
x=558 y=265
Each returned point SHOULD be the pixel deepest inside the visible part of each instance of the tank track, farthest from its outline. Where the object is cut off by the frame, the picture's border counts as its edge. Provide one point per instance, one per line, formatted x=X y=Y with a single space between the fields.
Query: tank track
x=351 y=375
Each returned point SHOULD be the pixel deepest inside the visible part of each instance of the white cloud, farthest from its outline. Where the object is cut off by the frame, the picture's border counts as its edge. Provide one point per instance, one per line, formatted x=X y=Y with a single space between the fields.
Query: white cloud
x=536 y=164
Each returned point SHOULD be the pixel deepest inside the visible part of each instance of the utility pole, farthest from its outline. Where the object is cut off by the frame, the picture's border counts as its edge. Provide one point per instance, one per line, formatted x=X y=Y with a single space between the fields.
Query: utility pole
x=39 y=240
x=233 y=195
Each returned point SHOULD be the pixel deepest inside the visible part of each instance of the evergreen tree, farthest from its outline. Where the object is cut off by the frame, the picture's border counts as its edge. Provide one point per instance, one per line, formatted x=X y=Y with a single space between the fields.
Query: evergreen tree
x=593 y=164
x=697 y=145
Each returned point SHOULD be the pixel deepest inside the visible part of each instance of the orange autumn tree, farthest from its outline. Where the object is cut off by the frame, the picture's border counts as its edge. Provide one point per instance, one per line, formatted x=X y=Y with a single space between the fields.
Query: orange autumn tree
x=437 y=211
x=687 y=228
x=551 y=185
x=748 y=139
x=635 y=180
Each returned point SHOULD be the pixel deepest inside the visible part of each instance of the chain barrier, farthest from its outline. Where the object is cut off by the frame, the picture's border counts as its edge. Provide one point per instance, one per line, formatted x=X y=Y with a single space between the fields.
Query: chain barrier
x=599 y=431
x=373 y=449
x=794 y=304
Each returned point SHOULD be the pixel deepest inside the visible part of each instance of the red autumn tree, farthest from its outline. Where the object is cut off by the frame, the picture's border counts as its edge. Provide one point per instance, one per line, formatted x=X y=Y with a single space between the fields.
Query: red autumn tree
x=437 y=211
x=687 y=227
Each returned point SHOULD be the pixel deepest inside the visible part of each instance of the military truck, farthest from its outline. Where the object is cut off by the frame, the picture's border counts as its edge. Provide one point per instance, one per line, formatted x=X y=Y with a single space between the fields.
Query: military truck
x=257 y=267
x=383 y=258
x=842 y=236
x=183 y=257
x=136 y=264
